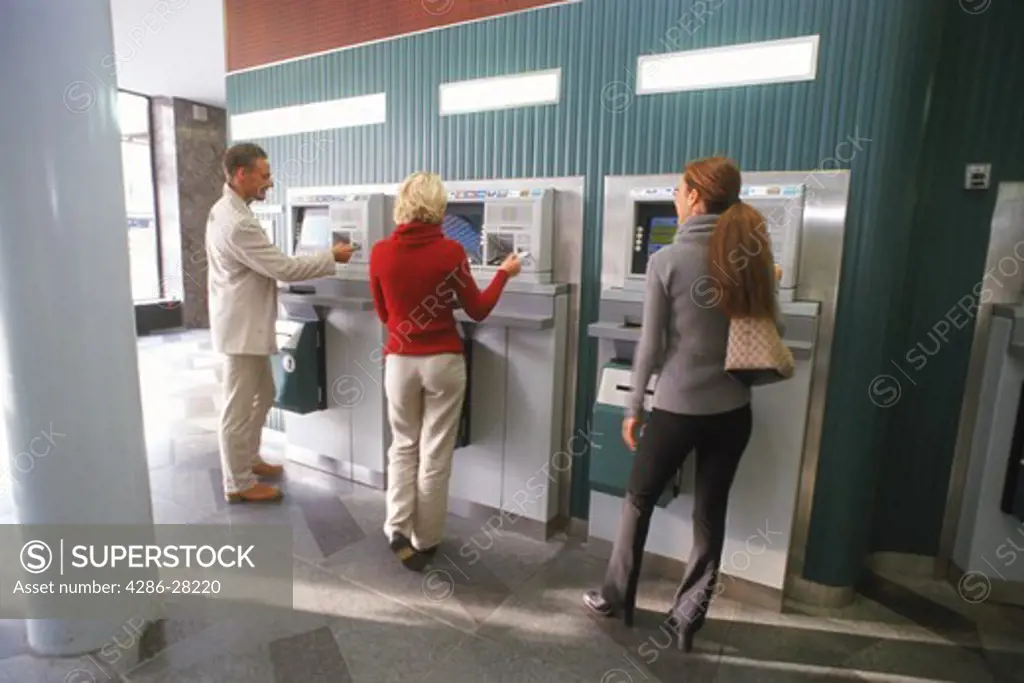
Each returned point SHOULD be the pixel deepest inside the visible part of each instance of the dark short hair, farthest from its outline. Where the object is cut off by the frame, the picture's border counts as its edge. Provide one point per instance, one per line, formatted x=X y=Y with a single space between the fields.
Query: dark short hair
x=242 y=155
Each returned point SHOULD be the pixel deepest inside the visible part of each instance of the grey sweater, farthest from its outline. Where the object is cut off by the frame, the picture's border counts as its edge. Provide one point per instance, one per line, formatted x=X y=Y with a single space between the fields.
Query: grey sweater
x=683 y=332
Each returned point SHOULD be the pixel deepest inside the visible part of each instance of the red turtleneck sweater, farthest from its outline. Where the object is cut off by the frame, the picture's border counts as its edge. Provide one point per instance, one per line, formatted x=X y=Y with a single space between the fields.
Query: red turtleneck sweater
x=418 y=277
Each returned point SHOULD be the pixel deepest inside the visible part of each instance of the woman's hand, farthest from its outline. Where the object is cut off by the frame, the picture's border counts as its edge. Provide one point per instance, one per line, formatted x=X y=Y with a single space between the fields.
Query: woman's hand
x=511 y=265
x=778 y=272
x=630 y=431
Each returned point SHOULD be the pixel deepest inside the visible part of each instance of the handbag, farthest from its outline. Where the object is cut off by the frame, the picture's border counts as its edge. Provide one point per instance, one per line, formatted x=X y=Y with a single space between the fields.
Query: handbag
x=756 y=354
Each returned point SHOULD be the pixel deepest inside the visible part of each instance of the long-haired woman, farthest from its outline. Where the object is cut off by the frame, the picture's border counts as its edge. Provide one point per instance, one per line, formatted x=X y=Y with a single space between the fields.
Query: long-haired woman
x=720 y=265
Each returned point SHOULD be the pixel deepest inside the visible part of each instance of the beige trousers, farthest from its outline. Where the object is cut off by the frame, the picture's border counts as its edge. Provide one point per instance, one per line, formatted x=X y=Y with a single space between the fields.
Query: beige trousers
x=248 y=396
x=425 y=396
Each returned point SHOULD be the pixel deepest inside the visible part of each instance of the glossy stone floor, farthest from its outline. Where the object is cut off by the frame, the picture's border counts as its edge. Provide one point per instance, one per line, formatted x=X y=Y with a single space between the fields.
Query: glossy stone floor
x=495 y=607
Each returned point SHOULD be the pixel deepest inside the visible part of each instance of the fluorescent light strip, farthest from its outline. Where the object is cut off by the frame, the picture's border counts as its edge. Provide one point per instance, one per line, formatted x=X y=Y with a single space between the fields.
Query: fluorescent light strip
x=502 y=92
x=776 y=61
x=305 y=118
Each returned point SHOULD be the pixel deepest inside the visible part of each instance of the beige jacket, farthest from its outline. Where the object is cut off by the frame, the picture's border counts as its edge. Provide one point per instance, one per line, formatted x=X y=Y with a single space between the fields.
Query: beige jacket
x=244 y=268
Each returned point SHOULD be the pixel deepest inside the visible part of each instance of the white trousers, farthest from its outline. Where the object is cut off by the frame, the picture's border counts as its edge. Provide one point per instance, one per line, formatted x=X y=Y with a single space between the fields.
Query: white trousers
x=248 y=396
x=425 y=395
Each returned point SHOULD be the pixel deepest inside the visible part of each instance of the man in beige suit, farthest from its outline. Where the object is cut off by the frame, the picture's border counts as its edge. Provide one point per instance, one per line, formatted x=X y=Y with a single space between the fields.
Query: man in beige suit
x=244 y=269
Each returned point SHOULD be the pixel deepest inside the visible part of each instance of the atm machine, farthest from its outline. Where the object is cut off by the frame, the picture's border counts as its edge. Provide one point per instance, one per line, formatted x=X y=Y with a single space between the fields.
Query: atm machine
x=489 y=230
x=491 y=224
x=805 y=214
x=984 y=528
x=516 y=356
x=271 y=217
x=331 y=368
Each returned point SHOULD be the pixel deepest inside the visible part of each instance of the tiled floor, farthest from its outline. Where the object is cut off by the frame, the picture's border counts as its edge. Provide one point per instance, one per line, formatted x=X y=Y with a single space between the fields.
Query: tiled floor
x=495 y=606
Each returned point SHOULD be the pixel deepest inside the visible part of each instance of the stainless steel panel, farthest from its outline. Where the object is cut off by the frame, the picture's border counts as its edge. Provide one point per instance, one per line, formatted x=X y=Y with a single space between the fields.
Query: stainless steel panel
x=533 y=423
x=518 y=321
x=1016 y=316
x=801 y=349
x=800 y=330
x=478 y=468
x=275 y=214
x=820 y=265
x=1007 y=311
x=323 y=300
x=518 y=286
x=615 y=331
x=370 y=438
x=1006 y=241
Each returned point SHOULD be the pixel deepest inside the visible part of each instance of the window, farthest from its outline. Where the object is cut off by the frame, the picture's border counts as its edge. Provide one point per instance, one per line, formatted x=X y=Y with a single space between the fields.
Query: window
x=139 y=196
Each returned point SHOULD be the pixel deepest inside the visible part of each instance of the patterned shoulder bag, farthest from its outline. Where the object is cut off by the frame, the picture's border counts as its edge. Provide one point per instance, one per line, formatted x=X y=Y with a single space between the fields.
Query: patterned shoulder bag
x=756 y=354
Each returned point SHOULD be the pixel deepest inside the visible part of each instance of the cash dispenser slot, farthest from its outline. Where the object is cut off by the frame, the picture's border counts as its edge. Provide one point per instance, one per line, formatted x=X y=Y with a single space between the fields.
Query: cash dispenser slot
x=611 y=461
x=300 y=365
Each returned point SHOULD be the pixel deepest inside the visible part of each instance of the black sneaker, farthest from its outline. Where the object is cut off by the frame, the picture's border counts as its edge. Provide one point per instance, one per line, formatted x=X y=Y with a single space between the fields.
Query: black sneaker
x=403 y=550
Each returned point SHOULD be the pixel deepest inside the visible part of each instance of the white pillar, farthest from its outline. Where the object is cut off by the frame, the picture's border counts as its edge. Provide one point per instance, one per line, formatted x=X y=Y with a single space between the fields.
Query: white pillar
x=67 y=329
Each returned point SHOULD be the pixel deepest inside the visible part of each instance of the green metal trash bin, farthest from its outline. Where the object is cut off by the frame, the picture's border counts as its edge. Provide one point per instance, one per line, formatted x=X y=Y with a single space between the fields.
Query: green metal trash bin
x=300 y=366
x=611 y=461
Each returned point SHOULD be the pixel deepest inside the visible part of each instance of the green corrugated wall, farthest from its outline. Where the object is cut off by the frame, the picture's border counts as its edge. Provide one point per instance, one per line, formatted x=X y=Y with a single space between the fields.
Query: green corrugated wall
x=977 y=115
x=875 y=70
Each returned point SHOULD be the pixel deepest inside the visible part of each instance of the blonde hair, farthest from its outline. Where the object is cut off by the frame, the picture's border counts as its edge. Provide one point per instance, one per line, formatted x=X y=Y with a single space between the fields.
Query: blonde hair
x=421 y=198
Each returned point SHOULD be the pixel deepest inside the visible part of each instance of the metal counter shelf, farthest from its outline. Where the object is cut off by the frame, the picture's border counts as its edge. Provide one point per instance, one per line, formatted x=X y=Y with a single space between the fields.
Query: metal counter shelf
x=529 y=322
x=344 y=303
x=801 y=350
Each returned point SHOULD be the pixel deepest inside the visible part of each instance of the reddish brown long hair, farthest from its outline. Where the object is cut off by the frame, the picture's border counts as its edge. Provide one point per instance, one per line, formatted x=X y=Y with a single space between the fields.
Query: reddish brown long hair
x=739 y=251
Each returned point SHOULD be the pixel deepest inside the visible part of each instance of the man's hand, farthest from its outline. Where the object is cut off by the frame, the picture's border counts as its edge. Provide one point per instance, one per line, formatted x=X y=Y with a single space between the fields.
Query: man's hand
x=343 y=252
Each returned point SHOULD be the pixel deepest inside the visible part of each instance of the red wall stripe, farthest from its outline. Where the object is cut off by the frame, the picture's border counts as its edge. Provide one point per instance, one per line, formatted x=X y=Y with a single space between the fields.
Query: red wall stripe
x=259 y=32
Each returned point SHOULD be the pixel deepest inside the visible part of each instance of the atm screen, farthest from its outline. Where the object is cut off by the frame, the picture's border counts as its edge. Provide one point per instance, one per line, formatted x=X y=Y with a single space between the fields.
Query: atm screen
x=654 y=229
x=660 y=233
x=314 y=230
x=464 y=223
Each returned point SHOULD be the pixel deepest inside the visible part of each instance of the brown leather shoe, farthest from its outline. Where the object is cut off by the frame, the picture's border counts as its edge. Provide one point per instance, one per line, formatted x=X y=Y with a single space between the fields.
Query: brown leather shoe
x=260 y=493
x=266 y=470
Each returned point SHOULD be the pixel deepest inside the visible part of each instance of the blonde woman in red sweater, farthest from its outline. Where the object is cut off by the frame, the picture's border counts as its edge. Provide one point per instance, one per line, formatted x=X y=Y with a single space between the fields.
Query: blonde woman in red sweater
x=418 y=277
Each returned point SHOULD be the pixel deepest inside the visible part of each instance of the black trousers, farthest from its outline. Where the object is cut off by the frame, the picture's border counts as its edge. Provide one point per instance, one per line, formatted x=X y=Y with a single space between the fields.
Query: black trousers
x=667 y=439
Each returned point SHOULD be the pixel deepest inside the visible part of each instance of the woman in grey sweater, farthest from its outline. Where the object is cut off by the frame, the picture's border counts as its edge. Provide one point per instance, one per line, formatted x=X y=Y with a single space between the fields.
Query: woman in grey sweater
x=719 y=266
